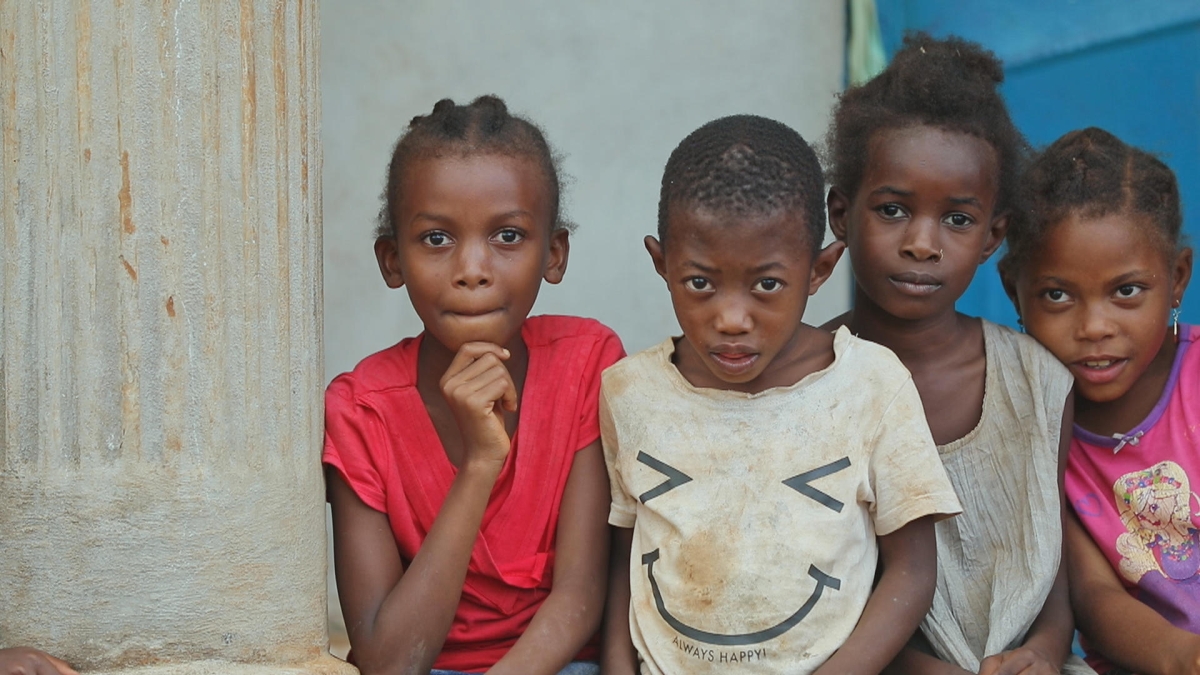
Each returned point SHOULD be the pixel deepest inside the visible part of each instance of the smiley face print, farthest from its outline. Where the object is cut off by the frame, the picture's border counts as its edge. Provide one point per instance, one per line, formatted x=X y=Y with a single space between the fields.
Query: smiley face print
x=801 y=483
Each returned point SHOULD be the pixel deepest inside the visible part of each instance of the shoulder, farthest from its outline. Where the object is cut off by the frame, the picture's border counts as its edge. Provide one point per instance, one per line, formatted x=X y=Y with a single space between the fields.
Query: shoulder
x=549 y=328
x=582 y=346
x=859 y=358
x=641 y=368
x=1016 y=350
x=390 y=369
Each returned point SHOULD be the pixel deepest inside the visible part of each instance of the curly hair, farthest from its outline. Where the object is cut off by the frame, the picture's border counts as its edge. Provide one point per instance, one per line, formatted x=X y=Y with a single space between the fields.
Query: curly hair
x=745 y=165
x=485 y=127
x=951 y=84
x=1092 y=173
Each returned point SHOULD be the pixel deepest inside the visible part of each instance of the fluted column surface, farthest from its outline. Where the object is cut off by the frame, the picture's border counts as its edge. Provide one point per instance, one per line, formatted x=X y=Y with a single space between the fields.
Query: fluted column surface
x=160 y=360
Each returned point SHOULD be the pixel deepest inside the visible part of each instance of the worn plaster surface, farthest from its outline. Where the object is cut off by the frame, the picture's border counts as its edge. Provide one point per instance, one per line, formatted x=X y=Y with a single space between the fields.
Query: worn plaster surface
x=161 y=500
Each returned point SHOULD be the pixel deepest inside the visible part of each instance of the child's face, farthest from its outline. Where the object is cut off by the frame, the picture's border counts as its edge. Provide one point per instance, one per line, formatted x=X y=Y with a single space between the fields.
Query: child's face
x=474 y=240
x=1098 y=294
x=739 y=287
x=922 y=219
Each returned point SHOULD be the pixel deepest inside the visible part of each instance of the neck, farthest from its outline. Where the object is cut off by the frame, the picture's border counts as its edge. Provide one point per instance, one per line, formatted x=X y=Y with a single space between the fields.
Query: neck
x=923 y=340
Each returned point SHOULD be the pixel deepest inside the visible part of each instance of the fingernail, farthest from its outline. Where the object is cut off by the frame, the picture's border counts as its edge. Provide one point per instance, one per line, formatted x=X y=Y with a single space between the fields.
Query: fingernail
x=505 y=351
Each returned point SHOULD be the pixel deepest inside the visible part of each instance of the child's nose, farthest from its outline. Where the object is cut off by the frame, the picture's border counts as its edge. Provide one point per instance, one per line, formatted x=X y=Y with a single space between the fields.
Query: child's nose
x=733 y=317
x=1096 y=324
x=920 y=241
x=474 y=266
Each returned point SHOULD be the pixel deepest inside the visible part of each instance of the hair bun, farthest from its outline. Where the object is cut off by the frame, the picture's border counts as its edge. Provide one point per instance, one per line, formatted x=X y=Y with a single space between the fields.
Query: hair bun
x=969 y=59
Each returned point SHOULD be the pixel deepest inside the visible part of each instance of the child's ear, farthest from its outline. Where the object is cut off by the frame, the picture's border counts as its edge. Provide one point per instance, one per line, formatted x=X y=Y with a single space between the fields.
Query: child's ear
x=823 y=264
x=560 y=249
x=1182 y=275
x=387 y=253
x=655 y=248
x=838 y=206
x=996 y=232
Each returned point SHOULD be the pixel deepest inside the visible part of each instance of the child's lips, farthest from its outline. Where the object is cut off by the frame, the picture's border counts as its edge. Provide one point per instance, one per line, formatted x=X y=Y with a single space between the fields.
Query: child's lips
x=915 y=283
x=734 y=362
x=1098 y=369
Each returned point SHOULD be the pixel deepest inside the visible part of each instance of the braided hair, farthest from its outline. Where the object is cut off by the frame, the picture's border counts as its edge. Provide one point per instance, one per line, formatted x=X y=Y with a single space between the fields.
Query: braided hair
x=1092 y=173
x=951 y=84
x=485 y=127
x=745 y=165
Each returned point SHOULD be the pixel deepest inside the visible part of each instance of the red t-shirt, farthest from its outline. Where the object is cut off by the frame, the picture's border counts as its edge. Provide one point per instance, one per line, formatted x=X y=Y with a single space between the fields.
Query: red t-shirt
x=378 y=435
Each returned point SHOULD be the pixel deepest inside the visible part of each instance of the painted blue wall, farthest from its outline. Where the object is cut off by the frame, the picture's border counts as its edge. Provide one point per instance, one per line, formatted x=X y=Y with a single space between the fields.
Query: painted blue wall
x=1108 y=63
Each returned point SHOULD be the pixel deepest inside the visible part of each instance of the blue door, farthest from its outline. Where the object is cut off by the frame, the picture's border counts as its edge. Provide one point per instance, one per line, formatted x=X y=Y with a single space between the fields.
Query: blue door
x=1132 y=68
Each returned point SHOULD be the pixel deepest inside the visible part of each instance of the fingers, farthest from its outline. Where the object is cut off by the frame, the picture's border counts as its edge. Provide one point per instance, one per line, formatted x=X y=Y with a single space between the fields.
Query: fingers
x=1020 y=661
x=27 y=661
x=477 y=378
x=471 y=352
x=60 y=666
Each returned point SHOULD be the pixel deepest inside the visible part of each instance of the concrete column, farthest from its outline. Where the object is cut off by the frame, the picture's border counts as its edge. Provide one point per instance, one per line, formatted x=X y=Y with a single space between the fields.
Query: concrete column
x=161 y=500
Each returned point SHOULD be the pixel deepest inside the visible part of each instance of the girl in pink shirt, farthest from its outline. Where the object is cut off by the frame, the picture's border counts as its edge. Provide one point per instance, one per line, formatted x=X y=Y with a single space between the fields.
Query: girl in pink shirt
x=1098 y=269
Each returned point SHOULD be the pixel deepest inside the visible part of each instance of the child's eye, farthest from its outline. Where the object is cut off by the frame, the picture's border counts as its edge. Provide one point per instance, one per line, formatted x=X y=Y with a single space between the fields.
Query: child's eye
x=768 y=285
x=958 y=220
x=1128 y=291
x=698 y=283
x=509 y=236
x=1056 y=295
x=890 y=211
x=436 y=238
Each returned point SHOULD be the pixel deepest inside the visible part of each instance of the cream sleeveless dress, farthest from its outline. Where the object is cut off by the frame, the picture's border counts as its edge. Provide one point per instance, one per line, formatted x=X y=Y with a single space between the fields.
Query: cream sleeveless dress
x=998 y=559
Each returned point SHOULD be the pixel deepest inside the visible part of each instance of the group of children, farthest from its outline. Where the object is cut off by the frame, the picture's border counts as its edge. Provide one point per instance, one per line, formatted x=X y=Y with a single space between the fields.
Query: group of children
x=905 y=489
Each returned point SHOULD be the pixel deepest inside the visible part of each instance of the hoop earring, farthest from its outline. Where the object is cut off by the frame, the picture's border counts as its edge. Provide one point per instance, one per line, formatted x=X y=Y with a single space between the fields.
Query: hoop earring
x=1175 y=322
x=938 y=259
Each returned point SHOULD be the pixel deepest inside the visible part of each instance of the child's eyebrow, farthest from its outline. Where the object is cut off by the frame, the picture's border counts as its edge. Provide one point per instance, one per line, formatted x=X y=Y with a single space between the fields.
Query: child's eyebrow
x=965 y=200
x=889 y=190
x=1128 y=276
x=431 y=216
x=753 y=270
x=703 y=268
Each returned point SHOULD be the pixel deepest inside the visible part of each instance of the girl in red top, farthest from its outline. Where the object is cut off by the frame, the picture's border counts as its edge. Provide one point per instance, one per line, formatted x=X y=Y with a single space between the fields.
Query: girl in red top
x=464 y=465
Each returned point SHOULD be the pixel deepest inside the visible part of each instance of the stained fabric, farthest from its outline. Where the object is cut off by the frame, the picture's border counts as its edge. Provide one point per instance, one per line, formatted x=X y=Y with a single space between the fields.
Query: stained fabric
x=998 y=560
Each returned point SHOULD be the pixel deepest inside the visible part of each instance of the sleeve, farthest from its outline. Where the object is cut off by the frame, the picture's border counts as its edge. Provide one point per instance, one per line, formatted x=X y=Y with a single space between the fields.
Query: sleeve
x=906 y=473
x=351 y=431
x=622 y=513
x=608 y=350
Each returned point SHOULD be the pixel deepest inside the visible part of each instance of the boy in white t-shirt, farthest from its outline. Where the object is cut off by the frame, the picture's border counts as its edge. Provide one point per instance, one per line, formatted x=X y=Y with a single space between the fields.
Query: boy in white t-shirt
x=757 y=463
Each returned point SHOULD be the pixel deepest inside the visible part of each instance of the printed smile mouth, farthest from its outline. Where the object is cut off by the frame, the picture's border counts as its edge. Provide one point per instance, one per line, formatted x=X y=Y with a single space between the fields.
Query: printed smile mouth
x=823 y=581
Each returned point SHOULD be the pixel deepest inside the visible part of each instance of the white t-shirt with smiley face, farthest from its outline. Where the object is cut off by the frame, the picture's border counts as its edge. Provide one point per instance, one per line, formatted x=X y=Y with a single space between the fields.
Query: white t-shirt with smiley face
x=754 y=516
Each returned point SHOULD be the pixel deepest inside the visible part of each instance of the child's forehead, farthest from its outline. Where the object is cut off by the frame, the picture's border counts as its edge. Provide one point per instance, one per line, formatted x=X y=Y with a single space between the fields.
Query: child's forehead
x=700 y=228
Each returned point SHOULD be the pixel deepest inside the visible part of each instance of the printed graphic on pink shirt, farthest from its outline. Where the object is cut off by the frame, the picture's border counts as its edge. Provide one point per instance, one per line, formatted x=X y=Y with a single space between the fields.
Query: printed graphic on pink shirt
x=1160 y=552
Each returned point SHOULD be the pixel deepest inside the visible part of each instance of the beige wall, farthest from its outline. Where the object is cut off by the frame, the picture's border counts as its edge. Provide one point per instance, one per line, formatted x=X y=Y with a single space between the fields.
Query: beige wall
x=616 y=85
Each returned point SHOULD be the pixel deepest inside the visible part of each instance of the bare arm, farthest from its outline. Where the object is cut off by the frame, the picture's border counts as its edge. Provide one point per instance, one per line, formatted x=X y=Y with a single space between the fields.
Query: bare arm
x=571 y=614
x=619 y=656
x=1048 y=641
x=29 y=661
x=912 y=660
x=1123 y=629
x=398 y=619
x=897 y=605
